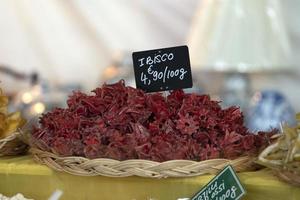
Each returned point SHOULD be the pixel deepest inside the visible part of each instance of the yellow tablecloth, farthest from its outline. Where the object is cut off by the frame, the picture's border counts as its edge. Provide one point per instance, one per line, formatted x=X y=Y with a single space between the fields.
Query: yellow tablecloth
x=22 y=174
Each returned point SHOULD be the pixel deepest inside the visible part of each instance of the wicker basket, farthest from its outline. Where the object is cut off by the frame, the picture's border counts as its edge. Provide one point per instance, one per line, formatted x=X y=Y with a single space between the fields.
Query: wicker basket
x=12 y=145
x=288 y=172
x=144 y=168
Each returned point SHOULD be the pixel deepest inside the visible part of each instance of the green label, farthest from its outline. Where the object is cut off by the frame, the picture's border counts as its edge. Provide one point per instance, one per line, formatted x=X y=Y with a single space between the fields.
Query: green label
x=225 y=186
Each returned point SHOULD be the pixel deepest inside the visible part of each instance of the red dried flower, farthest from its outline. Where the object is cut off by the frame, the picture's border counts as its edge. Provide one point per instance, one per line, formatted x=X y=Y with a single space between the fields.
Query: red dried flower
x=122 y=122
x=187 y=125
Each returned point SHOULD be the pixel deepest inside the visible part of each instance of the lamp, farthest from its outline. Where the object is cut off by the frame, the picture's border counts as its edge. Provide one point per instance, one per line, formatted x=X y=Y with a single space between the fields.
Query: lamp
x=238 y=38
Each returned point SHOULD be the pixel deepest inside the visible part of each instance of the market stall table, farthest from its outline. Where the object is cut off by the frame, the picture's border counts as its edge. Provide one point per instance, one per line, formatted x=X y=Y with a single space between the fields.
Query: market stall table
x=23 y=175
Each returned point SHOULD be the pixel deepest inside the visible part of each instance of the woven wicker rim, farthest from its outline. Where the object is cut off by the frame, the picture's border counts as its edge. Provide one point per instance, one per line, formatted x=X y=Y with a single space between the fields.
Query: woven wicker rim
x=144 y=168
x=278 y=166
x=12 y=145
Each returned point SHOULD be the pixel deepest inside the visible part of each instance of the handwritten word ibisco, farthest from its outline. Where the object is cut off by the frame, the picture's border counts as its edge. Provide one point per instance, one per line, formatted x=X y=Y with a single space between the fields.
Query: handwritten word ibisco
x=154 y=73
x=156 y=59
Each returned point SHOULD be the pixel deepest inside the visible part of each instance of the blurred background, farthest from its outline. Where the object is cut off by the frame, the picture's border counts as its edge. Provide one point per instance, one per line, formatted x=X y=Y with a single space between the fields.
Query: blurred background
x=244 y=52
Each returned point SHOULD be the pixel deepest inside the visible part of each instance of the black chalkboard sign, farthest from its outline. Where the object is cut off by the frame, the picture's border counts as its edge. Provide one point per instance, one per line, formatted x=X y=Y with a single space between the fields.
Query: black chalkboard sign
x=162 y=69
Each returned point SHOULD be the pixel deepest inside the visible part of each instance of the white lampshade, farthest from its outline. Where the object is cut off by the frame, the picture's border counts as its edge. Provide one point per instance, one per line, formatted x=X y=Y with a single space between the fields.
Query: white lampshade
x=239 y=35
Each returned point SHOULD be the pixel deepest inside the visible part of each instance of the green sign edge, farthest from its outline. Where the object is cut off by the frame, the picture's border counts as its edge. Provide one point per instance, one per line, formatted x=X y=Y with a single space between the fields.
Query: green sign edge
x=219 y=174
x=237 y=180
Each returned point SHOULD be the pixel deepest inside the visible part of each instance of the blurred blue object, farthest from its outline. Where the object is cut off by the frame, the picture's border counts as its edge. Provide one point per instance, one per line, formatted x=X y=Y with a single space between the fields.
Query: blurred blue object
x=268 y=109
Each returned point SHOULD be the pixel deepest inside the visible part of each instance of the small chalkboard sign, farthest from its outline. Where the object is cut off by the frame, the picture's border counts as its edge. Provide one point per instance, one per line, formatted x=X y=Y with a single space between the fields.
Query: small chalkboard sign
x=224 y=186
x=162 y=69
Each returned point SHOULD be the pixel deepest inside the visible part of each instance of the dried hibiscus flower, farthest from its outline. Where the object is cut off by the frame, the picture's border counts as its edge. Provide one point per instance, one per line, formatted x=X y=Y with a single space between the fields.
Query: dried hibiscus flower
x=122 y=122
